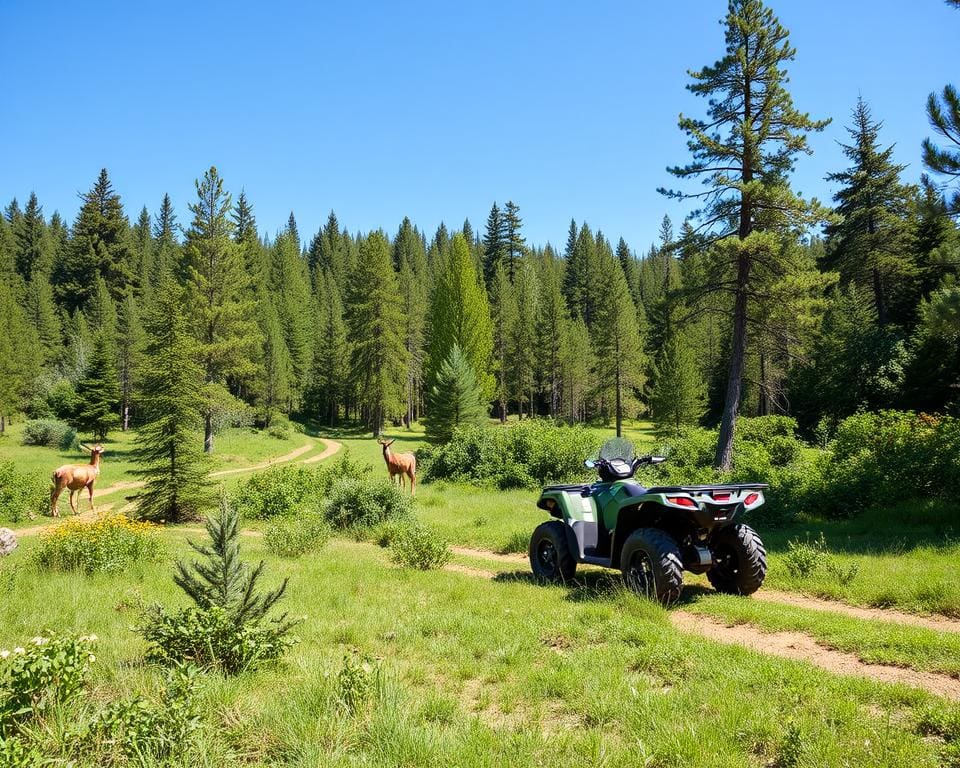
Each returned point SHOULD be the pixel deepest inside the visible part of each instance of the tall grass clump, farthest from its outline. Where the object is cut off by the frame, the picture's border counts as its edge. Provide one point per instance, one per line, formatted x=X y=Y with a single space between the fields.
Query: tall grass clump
x=522 y=455
x=416 y=546
x=296 y=536
x=22 y=495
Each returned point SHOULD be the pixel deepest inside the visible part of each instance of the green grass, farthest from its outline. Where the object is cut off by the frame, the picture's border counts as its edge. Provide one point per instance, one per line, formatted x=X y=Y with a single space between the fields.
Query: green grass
x=479 y=672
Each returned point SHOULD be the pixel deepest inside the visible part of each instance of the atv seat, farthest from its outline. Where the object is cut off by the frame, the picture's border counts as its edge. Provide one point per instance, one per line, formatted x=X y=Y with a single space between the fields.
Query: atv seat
x=576 y=488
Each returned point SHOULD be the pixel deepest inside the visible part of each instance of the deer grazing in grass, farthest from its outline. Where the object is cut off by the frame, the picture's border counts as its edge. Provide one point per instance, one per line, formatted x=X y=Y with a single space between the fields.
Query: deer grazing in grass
x=75 y=477
x=402 y=464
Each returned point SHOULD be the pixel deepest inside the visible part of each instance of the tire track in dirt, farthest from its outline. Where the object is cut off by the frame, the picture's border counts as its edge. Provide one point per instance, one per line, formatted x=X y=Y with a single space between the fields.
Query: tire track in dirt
x=936 y=623
x=800 y=647
x=332 y=446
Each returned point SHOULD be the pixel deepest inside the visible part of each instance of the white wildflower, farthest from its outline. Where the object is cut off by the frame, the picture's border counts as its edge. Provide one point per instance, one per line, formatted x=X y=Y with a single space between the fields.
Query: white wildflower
x=92 y=658
x=38 y=640
x=92 y=638
x=18 y=649
x=4 y=653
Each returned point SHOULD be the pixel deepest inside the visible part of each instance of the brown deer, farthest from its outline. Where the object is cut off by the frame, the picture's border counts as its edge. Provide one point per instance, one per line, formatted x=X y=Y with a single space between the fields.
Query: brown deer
x=75 y=477
x=402 y=464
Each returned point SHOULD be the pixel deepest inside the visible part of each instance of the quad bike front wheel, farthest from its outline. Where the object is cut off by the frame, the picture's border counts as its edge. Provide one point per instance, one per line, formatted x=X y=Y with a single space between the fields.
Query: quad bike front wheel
x=651 y=565
x=739 y=561
x=550 y=556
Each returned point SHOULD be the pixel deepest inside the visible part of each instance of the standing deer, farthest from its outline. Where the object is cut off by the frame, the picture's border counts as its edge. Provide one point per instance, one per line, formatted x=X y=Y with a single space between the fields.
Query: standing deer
x=75 y=477
x=402 y=464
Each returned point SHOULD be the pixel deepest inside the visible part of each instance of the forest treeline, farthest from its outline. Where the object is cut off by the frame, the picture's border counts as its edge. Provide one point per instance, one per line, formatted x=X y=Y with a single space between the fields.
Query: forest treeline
x=760 y=303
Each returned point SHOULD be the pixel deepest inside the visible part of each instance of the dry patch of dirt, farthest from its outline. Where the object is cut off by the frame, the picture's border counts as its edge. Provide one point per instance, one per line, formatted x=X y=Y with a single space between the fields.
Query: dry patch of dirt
x=801 y=647
x=937 y=623
x=287 y=457
x=484 y=554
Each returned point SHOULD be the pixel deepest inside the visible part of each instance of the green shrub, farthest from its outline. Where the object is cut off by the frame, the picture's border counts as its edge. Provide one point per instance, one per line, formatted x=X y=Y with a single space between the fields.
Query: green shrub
x=805 y=557
x=109 y=544
x=143 y=730
x=47 y=672
x=384 y=533
x=212 y=638
x=519 y=541
x=416 y=546
x=531 y=452
x=293 y=488
x=297 y=535
x=22 y=495
x=50 y=433
x=357 y=682
x=229 y=628
x=365 y=503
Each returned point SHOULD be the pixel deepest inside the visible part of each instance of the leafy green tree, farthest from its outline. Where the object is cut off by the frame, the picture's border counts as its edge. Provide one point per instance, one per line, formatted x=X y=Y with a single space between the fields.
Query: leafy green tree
x=514 y=243
x=328 y=252
x=944 y=115
x=19 y=354
x=745 y=149
x=455 y=399
x=98 y=392
x=276 y=383
x=289 y=289
x=459 y=314
x=503 y=315
x=522 y=347
x=410 y=261
x=577 y=363
x=166 y=256
x=551 y=332
x=580 y=277
x=494 y=243
x=42 y=315
x=619 y=351
x=331 y=355
x=172 y=399
x=292 y=231
x=221 y=309
x=679 y=391
x=33 y=248
x=142 y=257
x=873 y=242
x=378 y=361
x=99 y=248
x=130 y=342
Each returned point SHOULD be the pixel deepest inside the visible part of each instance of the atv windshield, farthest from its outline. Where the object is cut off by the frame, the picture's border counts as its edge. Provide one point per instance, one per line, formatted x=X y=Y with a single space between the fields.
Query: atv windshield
x=617 y=448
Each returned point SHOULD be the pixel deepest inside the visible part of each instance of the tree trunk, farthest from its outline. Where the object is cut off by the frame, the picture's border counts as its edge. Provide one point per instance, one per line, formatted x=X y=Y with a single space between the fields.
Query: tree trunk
x=619 y=404
x=126 y=417
x=738 y=354
x=208 y=432
x=764 y=405
x=878 y=297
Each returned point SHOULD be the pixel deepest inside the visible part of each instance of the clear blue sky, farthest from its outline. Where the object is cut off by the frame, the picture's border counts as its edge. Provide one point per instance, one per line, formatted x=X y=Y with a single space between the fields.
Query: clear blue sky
x=427 y=109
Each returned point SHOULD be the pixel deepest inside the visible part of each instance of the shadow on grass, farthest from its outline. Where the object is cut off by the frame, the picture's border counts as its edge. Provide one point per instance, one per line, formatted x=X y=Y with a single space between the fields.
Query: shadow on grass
x=585 y=587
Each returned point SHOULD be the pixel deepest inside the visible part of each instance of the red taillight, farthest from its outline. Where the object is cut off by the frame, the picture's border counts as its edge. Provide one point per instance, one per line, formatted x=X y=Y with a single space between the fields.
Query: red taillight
x=720 y=496
x=750 y=499
x=683 y=501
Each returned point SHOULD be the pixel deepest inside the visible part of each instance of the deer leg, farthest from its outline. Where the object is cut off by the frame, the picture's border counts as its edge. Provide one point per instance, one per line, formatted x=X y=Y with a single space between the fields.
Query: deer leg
x=413 y=484
x=73 y=505
x=90 y=491
x=54 y=498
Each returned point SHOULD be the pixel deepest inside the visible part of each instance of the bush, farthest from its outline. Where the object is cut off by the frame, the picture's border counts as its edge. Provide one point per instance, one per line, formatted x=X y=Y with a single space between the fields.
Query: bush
x=293 y=488
x=50 y=433
x=229 y=627
x=295 y=536
x=108 y=544
x=22 y=495
x=531 y=452
x=51 y=397
x=357 y=682
x=212 y=638
x=805 y=557
x=416 y=546
x=879 y=457
x=48 y=672
x=365 y=503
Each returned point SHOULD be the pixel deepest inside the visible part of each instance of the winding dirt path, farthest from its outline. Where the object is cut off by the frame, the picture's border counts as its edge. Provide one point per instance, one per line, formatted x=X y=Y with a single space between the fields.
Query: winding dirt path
x=330 y=448
x=801 y=647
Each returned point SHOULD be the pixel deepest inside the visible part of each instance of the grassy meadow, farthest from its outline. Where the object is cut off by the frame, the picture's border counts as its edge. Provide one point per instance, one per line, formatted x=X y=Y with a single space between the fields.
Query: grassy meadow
x=476 y=665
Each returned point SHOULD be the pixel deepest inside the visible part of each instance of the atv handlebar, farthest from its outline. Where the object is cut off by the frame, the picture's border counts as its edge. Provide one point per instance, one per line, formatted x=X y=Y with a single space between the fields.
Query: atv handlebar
x=636 y=463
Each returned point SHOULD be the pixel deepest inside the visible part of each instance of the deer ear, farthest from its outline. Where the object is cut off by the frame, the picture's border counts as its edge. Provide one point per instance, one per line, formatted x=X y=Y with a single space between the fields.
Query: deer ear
x=390 y=442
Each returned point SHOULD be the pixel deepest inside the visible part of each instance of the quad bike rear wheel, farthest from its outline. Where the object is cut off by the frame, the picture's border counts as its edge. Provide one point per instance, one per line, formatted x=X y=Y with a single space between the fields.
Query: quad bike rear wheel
x=550 y=556
x=651 y=565
x=739 y=561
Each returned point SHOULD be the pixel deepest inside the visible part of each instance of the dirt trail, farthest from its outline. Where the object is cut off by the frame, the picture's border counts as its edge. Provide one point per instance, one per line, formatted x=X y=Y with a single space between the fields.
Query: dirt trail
x=330 y=448
x=936 y=623
x=512 y=559
x=801 y=647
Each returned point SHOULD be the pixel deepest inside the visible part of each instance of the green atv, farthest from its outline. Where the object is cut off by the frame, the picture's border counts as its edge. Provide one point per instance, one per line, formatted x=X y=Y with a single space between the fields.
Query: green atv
x=651 y=534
